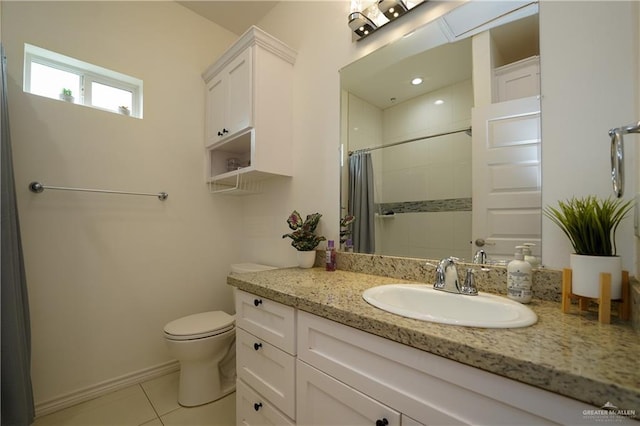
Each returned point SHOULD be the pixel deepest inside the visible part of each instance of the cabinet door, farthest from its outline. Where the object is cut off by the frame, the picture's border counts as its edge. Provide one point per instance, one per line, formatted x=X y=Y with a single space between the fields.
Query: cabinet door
x=239 y=93
x=215 y=109
x=253 y=409
x=323 y=400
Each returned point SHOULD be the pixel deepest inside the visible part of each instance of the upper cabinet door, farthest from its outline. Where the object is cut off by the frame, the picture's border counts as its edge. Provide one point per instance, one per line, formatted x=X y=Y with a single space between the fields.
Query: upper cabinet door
x=215 y=109
x=239 y=93
x=230 y=100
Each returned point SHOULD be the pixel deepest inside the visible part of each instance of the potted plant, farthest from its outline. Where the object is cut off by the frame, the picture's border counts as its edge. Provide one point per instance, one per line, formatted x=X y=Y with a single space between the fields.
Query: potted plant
x=304 y=238
x=345 y=231
x=66 y=95
x=591 y=224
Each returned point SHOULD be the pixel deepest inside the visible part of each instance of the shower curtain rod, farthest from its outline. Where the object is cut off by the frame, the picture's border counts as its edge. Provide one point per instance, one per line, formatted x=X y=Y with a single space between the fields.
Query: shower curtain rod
x=37 y=187
x=467 y=131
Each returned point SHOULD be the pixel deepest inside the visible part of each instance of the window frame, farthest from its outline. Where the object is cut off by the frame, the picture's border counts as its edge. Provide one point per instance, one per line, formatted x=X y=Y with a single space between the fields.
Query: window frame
x=88 y=74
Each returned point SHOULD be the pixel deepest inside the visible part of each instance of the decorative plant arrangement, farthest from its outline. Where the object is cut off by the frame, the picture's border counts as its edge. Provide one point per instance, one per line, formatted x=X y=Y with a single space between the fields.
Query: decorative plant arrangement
x=589 y=223
x=66 y=95
x=345 y=231
x=303 y=236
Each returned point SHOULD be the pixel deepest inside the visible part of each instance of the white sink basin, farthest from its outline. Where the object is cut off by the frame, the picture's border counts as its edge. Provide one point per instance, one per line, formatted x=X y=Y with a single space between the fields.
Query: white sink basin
x=421 y=301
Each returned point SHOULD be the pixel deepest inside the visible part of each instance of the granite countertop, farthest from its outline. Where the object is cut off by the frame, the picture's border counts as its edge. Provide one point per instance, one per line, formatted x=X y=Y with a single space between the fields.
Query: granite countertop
x=570 y=354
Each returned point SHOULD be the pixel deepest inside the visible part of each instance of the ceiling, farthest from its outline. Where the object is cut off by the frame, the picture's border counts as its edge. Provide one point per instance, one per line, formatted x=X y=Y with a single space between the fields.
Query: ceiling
x=236 y=16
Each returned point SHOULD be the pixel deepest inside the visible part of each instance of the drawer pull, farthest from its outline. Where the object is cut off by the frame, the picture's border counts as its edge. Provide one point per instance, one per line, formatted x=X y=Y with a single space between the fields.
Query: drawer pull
x=257 y=346
x=383 y=422
x=257 y=302
x=257 y=406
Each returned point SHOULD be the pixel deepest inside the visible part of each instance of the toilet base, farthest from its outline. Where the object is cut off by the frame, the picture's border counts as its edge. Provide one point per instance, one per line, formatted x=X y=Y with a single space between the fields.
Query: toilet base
x=200 y=383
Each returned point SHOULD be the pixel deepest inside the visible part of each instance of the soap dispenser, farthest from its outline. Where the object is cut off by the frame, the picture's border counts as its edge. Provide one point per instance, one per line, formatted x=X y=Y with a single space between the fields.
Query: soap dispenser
x=519 y=278
x=529 y=257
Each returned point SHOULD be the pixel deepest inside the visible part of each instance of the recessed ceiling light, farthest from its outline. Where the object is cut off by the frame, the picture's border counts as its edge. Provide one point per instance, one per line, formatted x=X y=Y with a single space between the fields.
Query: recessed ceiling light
x=416 y=81
x=439 y=102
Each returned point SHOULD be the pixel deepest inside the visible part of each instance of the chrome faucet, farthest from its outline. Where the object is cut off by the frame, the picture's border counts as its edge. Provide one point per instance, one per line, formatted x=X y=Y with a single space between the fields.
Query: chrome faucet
x=447 y=278
x=480 y=258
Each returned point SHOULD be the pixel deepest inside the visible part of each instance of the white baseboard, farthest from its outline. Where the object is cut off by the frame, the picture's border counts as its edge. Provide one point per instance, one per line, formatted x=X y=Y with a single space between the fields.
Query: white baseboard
x=102 y=388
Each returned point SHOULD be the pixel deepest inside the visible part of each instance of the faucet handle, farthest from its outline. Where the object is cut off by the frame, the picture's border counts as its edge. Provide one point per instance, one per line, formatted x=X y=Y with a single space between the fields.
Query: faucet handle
x=469 y=287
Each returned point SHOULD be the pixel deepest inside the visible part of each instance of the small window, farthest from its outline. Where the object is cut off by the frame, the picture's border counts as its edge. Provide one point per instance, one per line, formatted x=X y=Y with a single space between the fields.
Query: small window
x=57 y=76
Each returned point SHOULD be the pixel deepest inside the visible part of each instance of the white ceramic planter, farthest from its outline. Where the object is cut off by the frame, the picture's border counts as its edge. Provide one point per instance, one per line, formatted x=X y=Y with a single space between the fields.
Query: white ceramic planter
x=306 y=259
x=586 y=275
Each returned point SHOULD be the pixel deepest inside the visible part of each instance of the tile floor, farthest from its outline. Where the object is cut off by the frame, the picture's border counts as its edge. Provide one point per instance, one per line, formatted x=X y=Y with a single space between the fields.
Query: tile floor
x=152 y=403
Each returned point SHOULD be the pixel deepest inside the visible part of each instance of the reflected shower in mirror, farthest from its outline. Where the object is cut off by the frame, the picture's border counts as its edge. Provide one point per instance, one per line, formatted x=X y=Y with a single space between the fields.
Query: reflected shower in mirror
x=419 y=141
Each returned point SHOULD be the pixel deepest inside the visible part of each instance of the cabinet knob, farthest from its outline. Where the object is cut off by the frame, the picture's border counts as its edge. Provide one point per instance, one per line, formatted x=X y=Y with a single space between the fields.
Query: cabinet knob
x=382 y=422
x=257 y=346
x=257 y=406
x=257 y=302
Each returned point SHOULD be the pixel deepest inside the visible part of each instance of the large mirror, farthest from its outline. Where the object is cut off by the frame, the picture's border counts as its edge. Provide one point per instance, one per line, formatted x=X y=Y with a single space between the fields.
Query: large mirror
x=408 y=148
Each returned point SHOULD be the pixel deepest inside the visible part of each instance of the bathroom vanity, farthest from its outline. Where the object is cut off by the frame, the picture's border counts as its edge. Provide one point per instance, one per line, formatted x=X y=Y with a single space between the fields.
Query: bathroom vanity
x=310 y=350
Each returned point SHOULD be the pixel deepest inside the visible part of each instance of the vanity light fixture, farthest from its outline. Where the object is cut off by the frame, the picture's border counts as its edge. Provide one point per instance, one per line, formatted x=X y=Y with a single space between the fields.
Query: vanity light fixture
x=367 y=16
x=361 y=25
x=392 y=9
x=416 y=81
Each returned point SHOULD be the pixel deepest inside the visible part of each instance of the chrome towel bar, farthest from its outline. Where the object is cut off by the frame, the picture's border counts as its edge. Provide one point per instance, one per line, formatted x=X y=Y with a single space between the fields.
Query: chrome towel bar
x=37 y=187
x=617 y=156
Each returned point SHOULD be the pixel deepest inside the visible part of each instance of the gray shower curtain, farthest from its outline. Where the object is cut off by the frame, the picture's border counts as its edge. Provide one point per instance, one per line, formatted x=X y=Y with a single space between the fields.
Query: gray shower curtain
x=361 y=202
x=17 y=396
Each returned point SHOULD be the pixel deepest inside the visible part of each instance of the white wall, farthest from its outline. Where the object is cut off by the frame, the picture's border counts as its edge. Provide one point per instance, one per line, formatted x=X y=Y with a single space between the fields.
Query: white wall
x=106 y=272
x=433 y=169
x=589 y=84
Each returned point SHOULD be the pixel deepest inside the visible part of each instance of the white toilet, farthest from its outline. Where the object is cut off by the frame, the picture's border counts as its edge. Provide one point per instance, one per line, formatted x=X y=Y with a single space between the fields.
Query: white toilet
x=204 y=344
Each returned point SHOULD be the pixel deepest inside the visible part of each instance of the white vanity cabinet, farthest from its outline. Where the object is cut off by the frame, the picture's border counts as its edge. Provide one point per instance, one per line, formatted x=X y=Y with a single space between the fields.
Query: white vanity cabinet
x=425 y=388
x=248 y=122
x=335 y=374
x=265 y=361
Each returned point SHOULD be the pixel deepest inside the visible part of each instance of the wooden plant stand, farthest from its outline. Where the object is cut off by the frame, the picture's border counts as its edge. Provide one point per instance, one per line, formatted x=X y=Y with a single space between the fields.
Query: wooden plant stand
x=604 y=301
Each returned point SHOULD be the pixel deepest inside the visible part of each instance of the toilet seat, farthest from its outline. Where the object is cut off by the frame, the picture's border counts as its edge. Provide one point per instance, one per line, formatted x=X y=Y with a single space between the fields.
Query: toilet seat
x=198 y=326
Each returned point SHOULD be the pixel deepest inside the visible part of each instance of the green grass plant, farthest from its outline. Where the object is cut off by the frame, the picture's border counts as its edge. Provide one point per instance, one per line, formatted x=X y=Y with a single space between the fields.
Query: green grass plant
x=590 y=223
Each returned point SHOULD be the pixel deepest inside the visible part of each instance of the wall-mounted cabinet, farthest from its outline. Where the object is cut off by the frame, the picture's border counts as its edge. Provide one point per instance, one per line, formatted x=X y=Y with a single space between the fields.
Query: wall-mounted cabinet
x=517 y=80
x=249 y=111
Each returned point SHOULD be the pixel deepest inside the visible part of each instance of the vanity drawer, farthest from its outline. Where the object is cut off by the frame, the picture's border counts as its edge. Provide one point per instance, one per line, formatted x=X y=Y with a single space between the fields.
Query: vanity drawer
x=270 y=321
x=253 y=409
x=267 y=369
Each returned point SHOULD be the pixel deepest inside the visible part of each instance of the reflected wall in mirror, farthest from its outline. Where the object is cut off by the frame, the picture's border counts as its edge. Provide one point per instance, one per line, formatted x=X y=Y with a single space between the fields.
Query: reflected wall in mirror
x=418 y=138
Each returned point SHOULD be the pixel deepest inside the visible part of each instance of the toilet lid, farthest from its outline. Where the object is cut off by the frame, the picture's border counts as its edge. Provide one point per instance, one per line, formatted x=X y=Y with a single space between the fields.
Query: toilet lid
x=200 y=325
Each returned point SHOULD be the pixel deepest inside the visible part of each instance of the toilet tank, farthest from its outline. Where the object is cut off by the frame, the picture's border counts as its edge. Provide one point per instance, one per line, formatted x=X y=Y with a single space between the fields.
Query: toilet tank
x=240 y=268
